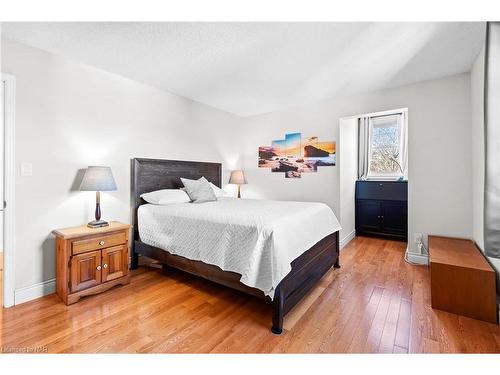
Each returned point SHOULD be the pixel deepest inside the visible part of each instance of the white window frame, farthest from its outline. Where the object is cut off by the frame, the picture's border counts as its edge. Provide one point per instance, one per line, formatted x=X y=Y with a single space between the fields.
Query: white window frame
x=388 y=176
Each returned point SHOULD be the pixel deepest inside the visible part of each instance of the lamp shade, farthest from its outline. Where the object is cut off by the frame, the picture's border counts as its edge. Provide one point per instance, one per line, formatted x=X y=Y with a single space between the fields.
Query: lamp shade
x=237 y=178
x=98 y=179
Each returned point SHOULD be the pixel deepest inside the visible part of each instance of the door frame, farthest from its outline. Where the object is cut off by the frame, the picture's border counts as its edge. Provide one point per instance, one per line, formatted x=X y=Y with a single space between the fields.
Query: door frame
x=9 y=107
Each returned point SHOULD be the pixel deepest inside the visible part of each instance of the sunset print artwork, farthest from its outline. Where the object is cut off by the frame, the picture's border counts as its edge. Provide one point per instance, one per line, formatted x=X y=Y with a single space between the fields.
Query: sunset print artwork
x=295 y=155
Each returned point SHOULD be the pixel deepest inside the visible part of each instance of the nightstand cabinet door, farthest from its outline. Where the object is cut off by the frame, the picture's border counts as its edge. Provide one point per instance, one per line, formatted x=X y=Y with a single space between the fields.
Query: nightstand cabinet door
x=114 y=263
x=85 y=270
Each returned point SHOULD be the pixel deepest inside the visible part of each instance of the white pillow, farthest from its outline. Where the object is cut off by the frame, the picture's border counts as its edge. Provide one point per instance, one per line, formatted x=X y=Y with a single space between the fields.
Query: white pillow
x=218 y=191
x=166 y=196
x=199 y=190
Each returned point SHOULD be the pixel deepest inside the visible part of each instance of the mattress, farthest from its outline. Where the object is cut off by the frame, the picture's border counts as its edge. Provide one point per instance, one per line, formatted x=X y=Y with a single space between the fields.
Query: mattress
x=258 y=239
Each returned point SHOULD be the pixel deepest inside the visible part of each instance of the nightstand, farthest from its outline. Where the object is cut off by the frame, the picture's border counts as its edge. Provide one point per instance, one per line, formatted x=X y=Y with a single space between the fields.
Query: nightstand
x=90 y=261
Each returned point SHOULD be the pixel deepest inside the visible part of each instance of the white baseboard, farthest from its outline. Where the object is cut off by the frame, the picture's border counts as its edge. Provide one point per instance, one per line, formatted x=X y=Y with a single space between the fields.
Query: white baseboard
x=344 y=241
x=34 y=291
x=417 y=258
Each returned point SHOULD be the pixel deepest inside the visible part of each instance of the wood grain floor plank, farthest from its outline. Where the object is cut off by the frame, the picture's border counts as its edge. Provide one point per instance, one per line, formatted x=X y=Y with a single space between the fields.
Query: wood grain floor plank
x=360 y=333
x=399 y=350
x=403 y=325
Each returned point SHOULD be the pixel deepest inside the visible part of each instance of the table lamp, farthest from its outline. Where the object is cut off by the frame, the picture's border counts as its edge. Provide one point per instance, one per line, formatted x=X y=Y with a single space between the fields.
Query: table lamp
x=98 y=179
x=238 y=178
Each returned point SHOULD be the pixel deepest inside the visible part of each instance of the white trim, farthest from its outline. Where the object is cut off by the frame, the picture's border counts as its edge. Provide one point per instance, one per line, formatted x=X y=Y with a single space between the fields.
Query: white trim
x=344 y=241
x=375 y=114
x=401 y=116
x=35 y=291
x=9 y=189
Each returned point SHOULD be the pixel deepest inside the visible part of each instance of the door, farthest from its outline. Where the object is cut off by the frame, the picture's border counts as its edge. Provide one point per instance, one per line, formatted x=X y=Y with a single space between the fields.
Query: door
x=2 y=199
x=7 y=185
x=85 y=270
x=394 y=217
x=368 y=215
x=114 y=262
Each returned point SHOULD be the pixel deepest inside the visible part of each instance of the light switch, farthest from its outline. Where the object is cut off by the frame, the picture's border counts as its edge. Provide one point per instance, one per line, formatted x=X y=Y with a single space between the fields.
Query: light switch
x=26 y=169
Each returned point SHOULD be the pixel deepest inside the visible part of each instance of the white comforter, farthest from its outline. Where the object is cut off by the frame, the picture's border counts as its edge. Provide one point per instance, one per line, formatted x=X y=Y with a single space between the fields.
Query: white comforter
x=258 y=239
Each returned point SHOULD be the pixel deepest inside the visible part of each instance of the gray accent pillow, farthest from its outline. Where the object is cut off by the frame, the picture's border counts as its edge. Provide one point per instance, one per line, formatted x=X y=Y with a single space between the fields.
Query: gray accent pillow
x=199 y=190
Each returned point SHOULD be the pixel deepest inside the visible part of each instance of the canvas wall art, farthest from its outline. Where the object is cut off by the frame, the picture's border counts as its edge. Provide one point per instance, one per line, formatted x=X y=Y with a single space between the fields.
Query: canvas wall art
x=295 y=155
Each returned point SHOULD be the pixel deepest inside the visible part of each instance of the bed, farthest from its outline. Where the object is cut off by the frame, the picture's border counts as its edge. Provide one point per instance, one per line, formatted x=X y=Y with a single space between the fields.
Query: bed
x=184 y=236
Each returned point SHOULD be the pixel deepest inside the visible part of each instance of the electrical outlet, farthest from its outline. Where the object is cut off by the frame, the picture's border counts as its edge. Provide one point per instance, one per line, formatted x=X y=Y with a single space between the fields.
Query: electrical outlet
x=418 y=238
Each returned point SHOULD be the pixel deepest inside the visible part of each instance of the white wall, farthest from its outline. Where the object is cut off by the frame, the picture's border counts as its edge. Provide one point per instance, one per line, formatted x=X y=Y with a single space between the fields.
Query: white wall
x=348 y=169
x=439 y=151
x=70 y=116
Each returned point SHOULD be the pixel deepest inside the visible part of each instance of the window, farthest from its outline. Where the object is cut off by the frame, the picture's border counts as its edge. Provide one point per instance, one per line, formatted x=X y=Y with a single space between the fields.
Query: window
x=385 y=154
x=383 y=145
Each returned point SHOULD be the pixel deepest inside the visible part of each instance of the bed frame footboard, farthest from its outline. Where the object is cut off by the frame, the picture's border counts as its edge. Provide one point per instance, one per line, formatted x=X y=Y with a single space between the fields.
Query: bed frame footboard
x=306 y=271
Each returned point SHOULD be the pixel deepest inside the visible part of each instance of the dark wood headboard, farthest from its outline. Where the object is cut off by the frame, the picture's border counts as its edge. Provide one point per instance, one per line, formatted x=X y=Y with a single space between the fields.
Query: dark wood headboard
x=155 y=174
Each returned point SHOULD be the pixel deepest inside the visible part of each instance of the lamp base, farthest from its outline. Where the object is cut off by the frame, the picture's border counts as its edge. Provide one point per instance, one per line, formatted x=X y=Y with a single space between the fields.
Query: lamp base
x=97 y=224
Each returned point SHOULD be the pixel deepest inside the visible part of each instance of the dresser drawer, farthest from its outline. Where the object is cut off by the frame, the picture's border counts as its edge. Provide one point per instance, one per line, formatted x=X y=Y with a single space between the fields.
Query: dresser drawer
x=382 y=190
x=97 y=243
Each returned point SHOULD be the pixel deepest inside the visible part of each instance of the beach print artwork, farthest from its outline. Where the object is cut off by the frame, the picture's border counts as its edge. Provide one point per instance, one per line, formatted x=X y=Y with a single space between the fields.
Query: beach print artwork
x=295 y=155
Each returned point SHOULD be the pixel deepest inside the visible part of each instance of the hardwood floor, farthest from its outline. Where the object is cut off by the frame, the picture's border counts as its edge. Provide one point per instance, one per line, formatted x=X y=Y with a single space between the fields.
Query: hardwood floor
x=375 y=303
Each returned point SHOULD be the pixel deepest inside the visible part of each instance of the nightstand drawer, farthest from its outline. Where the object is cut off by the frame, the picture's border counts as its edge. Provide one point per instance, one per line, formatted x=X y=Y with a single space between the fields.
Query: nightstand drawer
x=97 y=243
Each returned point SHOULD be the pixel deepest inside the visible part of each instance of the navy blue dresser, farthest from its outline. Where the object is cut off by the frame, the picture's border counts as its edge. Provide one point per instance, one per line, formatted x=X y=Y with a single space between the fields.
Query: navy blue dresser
x=382 y=208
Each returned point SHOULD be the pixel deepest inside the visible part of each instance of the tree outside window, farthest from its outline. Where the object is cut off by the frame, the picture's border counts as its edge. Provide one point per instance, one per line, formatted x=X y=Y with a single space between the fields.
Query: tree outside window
x=385 y=147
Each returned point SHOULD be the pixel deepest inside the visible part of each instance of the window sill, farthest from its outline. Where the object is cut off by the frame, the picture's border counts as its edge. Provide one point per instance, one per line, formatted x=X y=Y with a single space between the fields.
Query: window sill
x=385 y=179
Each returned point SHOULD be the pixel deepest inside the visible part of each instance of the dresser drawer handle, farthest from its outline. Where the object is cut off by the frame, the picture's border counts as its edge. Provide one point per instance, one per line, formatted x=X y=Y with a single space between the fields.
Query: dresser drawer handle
x=98 y=268
x=380 y=184
x=101 y=242
x=104 y=266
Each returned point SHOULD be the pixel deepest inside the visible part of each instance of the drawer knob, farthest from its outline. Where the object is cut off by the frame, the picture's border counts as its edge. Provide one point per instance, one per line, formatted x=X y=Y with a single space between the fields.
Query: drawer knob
x=104 y=265
x=98 y=268
x=380 y=184
x=101 y=242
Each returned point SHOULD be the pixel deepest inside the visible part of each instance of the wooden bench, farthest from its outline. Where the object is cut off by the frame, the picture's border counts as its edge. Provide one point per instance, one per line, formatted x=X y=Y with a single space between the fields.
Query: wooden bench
x=462 y=281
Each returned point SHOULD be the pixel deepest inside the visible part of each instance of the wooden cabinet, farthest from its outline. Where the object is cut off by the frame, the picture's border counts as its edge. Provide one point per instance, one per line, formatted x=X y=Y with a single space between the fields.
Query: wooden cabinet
x=90 y=261
x=462 y=280
x=382 y=208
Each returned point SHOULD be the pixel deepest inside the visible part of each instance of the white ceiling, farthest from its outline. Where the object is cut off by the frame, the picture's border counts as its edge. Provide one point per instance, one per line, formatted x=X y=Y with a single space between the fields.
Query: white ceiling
x=254 y=68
